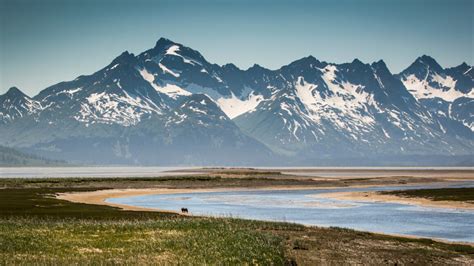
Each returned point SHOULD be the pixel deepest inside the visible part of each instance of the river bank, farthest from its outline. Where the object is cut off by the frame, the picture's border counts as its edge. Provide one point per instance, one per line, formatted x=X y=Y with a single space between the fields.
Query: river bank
x=37 y=227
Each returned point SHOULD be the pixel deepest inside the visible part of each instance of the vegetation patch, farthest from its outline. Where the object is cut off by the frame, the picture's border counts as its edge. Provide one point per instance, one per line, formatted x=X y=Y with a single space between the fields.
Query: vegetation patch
x=37 y=228
x=438 y=194
x=137 y=241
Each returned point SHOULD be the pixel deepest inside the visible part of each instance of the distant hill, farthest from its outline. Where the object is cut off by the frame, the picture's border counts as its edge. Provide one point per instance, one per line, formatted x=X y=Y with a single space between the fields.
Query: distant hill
x=12 y=157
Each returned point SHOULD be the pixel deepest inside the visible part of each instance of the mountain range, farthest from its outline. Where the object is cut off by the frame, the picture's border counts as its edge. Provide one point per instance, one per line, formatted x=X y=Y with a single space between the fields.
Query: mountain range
x=170 y=106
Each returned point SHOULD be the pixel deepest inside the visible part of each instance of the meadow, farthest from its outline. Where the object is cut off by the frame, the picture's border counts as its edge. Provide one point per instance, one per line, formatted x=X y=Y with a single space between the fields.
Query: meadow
x=37 y=228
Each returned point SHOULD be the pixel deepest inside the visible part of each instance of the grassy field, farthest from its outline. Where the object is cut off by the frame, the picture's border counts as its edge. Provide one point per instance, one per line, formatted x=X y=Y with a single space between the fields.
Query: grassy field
x=36 y=228
x=450 y=194
x=141 y=241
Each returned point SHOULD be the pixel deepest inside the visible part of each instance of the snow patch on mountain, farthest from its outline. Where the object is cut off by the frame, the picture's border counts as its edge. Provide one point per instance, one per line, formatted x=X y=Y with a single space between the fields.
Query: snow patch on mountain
x=171 y=90
x=233 y=106
x=114 y=109
x=11 y=109
x=467 y=71
x=70 y=93
x=422 y=89
x=167 y=70
x=197 y=110
x=345 y=105
x=28 y=105
x=469 y=125
x=173 y=50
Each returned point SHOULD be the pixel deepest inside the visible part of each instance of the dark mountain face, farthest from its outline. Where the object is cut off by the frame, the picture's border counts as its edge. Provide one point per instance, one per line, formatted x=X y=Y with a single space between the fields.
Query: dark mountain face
x=446 y=93
x=169 y=105
x=354 y=109
x=425 y=78
x=464 y=77
x=15 y=104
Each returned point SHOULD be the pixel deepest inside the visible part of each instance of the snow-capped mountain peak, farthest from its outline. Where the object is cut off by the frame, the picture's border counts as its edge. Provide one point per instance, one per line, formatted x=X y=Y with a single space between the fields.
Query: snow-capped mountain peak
x=15 y=104
x=425 y=78
x=171 y=98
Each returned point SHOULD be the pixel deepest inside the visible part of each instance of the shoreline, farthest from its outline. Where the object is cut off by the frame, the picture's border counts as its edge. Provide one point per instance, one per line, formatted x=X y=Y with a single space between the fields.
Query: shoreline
x=99 y=197
x=374 y=196
x=330 y=173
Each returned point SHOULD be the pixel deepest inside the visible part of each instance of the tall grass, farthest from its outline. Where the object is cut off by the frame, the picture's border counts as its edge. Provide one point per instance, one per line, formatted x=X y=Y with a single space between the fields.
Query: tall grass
x=164 y=241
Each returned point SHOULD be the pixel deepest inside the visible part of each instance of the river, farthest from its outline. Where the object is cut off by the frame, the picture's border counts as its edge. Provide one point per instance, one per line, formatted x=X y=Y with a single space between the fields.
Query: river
x=301 y=206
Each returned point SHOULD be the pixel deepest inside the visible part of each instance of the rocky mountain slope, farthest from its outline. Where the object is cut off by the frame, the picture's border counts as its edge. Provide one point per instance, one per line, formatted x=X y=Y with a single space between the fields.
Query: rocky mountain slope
x=169 y=105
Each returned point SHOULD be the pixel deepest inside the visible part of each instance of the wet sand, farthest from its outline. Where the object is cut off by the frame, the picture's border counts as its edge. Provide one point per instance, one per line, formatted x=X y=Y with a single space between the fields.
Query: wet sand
x=343 y=178
x=99 y=197
x=374 y=196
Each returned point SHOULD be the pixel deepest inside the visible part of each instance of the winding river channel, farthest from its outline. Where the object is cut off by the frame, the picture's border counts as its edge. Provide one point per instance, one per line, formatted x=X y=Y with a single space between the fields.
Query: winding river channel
x=305 y=207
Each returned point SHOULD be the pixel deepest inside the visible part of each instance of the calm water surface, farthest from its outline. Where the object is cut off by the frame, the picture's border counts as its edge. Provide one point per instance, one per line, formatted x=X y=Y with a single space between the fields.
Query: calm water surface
x=113 y=171
x=303 y=206
x=134 y=171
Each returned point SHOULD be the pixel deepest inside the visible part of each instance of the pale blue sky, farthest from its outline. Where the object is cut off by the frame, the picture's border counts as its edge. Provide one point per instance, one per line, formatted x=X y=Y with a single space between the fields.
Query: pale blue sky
x=44 y=42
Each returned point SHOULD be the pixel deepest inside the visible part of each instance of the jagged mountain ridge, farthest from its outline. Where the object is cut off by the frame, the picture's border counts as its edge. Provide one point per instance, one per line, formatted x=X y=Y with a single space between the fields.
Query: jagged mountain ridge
x=352 y=108
x=15 y=104
x=169 y=101
x=447 y=93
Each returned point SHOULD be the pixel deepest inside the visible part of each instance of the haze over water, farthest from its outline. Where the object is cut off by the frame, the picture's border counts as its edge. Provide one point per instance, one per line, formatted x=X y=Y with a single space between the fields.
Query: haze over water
x=114 y=171
x=137 y=171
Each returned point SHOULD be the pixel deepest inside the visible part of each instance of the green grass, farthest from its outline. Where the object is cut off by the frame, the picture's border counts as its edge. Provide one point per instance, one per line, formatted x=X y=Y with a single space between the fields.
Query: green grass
x=40 y=202
x=149 y=241
x=78 y=181
x=36 y=228
x=191 y=181
x=449 y=194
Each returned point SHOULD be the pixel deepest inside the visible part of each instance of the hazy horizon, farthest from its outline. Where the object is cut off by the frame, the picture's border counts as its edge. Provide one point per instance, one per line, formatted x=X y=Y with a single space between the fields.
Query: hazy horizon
x=65 y=39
